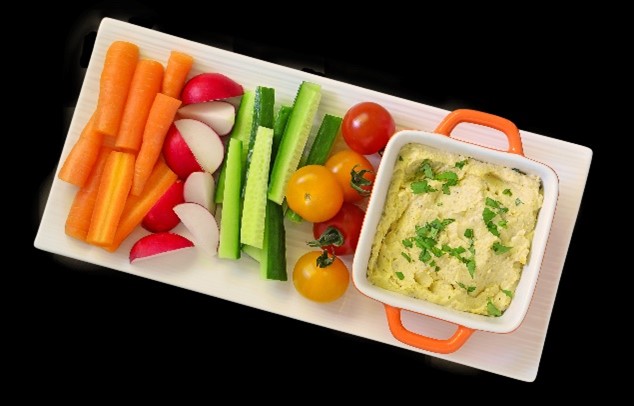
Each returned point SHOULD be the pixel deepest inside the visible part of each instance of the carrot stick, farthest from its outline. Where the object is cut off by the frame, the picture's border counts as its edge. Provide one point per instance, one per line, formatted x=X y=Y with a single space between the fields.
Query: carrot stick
x=114 y=187
x=136 y=207
x=146 y=83
x=82 y=157
x=159 y=121
x=118 y=70
x=78 y=220
x=178 y=67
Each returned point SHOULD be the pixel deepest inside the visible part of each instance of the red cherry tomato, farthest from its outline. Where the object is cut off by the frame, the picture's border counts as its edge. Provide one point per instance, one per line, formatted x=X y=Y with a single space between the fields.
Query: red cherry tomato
x=367 y=127
x=347 y=222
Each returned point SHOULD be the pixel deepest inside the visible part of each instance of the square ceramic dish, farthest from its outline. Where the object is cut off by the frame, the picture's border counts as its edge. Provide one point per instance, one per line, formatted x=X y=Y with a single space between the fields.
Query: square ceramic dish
x=514 y=315
x=515 y=355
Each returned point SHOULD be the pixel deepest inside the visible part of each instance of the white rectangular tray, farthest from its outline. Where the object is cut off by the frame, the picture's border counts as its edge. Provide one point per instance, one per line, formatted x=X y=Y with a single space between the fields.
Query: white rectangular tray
x=515 y=355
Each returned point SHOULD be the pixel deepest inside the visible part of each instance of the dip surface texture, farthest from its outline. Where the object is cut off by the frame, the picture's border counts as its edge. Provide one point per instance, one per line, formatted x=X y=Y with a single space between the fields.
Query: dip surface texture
x=454 y=231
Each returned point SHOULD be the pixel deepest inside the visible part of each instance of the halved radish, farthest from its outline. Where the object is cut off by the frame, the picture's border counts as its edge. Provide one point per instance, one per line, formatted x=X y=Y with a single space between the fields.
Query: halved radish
x=161 y=216
x=178 y=155
x=208 y=87
x=203 y=226
x=154 y=245
x=200 y=188
x=203 y=142
x=218 y=115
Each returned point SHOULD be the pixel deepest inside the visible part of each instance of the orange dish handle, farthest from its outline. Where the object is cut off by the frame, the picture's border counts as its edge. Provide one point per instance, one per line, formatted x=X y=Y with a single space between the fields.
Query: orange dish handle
x=456 y=117
x=447 y=346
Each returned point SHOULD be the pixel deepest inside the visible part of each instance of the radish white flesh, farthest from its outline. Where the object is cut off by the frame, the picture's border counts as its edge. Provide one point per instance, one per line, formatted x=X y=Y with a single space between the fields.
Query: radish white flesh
x=155 y=245
x=204 y=143
x=234 y=101
x=202 y=224
x=218 y=115
x=200 y=188
x=208 y=87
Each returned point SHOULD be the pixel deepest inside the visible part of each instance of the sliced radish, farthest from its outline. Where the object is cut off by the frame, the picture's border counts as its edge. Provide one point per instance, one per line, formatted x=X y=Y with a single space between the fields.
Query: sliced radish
x=154 y=245
x=234 y=101
x=178 y=155
x=218 y=115
x=161 y=216
x=200 y=188
x=203 y=142
x=203 y=226
x=208 y=87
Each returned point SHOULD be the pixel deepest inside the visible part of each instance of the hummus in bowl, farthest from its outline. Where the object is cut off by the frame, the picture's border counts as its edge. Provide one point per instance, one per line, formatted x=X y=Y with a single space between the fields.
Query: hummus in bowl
x=454 y=230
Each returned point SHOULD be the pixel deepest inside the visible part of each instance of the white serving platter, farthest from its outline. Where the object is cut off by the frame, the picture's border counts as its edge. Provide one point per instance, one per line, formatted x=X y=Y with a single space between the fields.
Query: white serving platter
x=516 y=355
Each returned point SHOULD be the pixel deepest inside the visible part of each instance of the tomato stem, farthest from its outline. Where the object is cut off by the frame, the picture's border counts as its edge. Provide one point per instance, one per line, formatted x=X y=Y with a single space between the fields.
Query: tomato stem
x=358 y=182
x=331 y=236
x=325 y=260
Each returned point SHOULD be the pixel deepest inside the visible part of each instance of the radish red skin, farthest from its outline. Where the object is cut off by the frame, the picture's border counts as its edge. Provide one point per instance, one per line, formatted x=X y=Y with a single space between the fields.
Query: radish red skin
x=161 y=216
x=178 y=156
x=157 y=244
x=208 y=87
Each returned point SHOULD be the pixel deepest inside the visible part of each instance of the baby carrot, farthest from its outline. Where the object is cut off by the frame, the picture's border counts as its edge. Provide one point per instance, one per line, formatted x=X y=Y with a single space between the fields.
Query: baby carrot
x=158 y=123
x=136 y=207
x=114 y=187
x=146 y=83
x=78 y=220
x=116 y=76
x=78 y=164
x=178 y=67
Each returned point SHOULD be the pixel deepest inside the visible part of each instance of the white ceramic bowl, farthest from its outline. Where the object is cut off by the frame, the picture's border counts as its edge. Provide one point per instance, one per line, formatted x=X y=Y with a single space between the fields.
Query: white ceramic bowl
x=514 y=315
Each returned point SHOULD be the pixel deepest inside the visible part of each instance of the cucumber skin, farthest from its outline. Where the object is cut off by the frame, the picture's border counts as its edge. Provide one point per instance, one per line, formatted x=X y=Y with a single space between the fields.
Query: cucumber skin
x=263 y=116
x=280 y=125
x=244 y=118
x=229 y=246
x=294 y=140
x=324 y=140
x=273 y=259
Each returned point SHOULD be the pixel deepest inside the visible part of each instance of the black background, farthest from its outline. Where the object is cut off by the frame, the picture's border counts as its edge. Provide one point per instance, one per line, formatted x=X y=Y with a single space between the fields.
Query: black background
x=565 y=74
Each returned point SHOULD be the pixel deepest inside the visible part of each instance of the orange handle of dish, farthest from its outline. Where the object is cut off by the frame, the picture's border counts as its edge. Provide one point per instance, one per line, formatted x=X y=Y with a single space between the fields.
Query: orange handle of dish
x=456 y=117
x=447 y=346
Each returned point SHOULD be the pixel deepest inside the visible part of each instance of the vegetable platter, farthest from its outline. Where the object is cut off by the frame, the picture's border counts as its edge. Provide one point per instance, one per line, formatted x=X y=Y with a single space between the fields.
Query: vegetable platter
x=516 y=354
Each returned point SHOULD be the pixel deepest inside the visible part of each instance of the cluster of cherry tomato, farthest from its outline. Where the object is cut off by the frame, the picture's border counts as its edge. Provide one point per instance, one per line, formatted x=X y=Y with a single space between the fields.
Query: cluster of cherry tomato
x=326 y=195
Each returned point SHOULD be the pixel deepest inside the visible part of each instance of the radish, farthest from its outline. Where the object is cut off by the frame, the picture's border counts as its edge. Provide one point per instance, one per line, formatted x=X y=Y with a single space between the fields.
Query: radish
x=200 y=188
x=208 y=87
x=203 y=142
x=218 y=115
x=203 y=226
x=178 y=155
x=154 y=245
x=161 y=216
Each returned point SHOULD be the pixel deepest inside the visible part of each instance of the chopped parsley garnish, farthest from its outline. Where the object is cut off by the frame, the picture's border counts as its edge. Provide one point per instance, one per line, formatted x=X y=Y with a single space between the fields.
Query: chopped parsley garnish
x=468 y=233
x=499 y=248
x=400 y=275
x=449 y=178
x=507 y=192
x=502 y=223
x=492 y=310
x=518 y=171
x=493 y=229
x=408 y=243
x=421 y=186
x=400 y=158
x=487 y=215
x=425 y=167
x=437 y=269
x=518 y=202
x=471 y=266
x=460 y=164
x=469 y=289
x=508 y=293
x=424 y=255
x=406 y=256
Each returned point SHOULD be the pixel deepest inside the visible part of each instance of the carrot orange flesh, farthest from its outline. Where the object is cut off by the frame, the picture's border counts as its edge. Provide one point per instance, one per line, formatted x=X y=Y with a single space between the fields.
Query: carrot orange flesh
x=114 y=188
x=137 y=207
x=178 y=67
x=78 y=164
x=146 y=83
x=78 y=220
x=158 y=123
x=114 y=85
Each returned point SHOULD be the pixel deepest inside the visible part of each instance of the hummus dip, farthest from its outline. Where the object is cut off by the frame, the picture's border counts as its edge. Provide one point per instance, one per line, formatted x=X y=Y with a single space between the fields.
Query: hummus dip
x=455 y=231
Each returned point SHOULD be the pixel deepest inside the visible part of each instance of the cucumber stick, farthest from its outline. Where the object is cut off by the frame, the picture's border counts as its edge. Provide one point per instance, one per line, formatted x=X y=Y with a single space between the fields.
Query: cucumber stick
x=255 y=190
x=320 y=149
x=253 y=252
x=273 y=254
x=229 y=246
x=294 y=140
x=263 y=113
x=279 y=126
x=241 y=131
